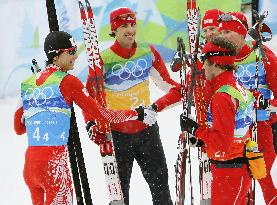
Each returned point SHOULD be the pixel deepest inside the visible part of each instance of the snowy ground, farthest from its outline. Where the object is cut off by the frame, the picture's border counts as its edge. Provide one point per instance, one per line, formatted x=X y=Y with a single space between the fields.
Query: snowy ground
x=13 y=190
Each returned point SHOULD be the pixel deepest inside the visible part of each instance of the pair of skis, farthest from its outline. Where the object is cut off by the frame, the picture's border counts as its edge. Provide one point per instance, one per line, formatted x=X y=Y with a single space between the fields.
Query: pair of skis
x=95 y=86
x=76 y=157
x=195 y=89
x=183 y=141
x=205 y=175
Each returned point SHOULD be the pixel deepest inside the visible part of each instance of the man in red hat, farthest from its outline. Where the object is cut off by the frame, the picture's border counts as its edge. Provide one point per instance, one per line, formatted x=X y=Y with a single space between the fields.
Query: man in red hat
x=228 y=125
x=127 y=68
x=233 y=26
x=210 y=24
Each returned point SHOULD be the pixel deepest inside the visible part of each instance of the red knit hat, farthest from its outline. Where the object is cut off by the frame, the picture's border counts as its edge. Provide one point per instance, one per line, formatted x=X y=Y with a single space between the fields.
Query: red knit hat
x=121 y=16
x=234 y=21
x=218 y=55
x=210 y=18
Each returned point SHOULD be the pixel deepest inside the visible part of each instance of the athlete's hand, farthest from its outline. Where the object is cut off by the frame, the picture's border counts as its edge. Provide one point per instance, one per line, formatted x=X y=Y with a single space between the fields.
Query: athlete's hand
x=147 y=115
x=96 y=133
x=195 y=142
x=188 y=124
x=176 y=62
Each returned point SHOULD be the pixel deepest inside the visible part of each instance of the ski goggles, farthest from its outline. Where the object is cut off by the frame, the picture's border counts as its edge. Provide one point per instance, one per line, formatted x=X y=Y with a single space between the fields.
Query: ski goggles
x=71 y=51
x=217 y=53
x=126 y=17
x=228 y=18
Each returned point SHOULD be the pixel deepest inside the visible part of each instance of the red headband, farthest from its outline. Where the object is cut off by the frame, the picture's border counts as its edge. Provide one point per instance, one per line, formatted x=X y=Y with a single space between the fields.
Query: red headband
x=210 y=18
x=218 y=55
x=121 y=16
x=234 y=21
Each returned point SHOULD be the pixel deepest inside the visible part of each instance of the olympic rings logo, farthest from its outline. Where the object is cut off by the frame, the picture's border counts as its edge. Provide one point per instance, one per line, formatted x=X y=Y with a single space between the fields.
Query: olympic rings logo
x=245 y=75
x=38 y=95
x=130 y=68
x=248 y=117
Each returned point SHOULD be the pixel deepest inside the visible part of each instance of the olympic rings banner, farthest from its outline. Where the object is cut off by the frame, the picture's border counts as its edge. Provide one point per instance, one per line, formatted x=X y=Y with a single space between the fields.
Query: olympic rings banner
x=24 y=26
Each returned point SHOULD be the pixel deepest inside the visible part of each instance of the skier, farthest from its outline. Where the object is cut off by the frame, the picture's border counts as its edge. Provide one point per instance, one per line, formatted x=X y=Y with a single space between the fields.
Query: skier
x=224 y=140
x=233 y=26
x=44 y=114
x=127 y=68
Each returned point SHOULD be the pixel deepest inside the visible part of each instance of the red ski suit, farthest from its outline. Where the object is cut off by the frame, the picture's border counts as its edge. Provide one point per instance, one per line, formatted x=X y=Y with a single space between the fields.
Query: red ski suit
x=219 y=139
x=265 y=138
x=46 y=170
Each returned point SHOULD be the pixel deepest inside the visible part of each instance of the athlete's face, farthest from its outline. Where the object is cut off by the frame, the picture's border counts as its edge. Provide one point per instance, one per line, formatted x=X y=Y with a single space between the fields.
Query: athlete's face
x=234 y=37
x=125 y=34
x=65 y=60
x=209 y=70
x=210 y=32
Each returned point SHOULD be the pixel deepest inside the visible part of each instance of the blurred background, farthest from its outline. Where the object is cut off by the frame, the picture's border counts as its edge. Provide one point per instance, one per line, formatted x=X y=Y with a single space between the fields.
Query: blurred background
x=24 y=25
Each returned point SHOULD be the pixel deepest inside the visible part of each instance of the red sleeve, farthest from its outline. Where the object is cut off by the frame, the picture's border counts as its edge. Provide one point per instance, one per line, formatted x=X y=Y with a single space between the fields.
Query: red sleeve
x=74 y=91
x=271 y=71
x=220 y=135
x=161 y=77
x=19 y=126
x=173 y=96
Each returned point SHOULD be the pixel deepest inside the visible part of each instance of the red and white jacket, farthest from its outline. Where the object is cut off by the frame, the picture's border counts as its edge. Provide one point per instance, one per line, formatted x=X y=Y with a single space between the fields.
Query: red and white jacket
x=73 y=90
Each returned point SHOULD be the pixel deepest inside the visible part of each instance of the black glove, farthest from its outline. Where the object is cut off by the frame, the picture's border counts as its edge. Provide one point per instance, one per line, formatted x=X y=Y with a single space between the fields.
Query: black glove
x=195 y=142
x=147 y=115
x=263 y=103
x=176 y=62
x=188 y=124
x=154 y=107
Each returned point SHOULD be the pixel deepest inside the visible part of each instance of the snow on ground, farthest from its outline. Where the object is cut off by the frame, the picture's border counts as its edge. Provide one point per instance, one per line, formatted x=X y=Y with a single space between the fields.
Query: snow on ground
x=13 y=190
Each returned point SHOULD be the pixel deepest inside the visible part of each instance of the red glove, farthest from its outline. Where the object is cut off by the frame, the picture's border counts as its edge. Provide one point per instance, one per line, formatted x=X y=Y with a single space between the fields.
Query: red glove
x=97 y=132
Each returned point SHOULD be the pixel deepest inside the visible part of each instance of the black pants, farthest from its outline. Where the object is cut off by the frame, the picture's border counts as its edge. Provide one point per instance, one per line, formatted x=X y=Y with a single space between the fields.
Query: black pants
x=147 y=149
x=274 y=133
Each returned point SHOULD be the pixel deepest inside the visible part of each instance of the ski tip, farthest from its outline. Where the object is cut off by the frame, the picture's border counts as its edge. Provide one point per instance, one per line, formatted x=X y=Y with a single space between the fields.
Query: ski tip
x=89 y=9
x=82 y=11
x=80 y=5
x=87 y=3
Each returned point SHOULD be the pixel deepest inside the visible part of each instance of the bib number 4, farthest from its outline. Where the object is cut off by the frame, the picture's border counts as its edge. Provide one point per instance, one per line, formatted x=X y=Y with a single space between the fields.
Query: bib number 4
x=37 y=136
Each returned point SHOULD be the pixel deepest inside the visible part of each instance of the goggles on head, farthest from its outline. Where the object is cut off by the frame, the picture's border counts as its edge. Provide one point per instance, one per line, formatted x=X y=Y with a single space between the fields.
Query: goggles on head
x=125 y=17
x=228 y=17
x=71 y=51
x=217 y=53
